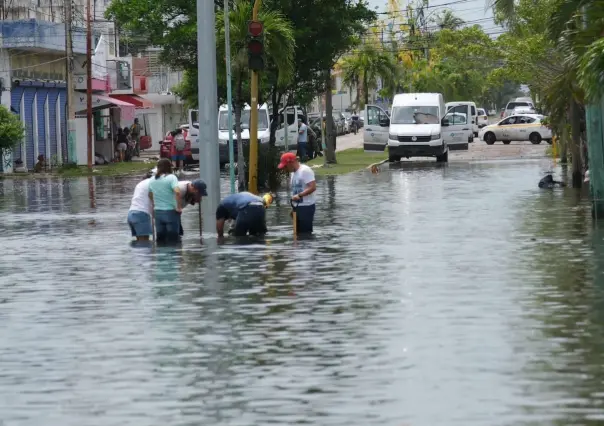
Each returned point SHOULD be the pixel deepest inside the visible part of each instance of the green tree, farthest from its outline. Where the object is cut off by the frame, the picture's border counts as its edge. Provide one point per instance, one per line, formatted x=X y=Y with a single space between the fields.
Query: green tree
x=366 y=66
x=279 y=47
x=448 y=20
x=11 y=129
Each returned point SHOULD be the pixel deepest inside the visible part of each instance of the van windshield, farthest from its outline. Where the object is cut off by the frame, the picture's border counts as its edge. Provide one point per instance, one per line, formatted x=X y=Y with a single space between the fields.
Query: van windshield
x=513 y=105
x=415 y=115
x=223 y=120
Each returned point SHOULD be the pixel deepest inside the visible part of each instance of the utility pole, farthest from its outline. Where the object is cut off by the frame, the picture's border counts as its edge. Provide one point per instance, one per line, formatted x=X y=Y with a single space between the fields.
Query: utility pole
x=89 y=82
x=227 y=48
x=253 y=175
x=69 y=59
x=208 y=108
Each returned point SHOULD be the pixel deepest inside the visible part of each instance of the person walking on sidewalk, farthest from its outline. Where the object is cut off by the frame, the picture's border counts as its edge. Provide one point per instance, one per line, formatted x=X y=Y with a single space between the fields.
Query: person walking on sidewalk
x=302 y=140
x=135 y=131
x=303 y=186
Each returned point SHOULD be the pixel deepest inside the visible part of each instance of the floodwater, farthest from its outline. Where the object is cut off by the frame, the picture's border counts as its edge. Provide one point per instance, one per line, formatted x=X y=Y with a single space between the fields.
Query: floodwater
x=430 y=295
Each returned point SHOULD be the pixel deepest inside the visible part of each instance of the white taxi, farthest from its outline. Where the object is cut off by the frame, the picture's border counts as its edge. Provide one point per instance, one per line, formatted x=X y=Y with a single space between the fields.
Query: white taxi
x=519 y=127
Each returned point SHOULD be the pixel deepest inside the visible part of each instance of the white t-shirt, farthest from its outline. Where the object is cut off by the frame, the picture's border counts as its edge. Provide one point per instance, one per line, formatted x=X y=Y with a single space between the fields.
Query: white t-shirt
x=299 y=182
x=140 y=200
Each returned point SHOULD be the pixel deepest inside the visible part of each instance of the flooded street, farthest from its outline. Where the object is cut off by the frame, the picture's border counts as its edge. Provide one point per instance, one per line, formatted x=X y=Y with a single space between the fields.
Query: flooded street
x=459 y=295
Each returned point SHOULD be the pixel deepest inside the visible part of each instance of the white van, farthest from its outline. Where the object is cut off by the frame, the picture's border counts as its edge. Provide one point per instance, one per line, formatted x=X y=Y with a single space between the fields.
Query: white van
x=293 y=114
x=417 y=127
x=470 y=110
x=264 y=132
x=223 y=132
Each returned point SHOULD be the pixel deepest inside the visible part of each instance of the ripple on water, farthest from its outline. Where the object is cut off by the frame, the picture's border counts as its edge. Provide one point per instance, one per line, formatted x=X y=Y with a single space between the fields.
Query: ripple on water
x=457 y=295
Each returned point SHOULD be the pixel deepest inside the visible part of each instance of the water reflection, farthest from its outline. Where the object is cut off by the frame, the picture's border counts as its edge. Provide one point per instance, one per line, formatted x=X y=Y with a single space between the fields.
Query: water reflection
x=461 y=284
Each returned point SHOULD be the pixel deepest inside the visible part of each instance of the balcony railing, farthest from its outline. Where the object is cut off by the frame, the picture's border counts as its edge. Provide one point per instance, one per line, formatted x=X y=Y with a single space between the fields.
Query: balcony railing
x=36 y=34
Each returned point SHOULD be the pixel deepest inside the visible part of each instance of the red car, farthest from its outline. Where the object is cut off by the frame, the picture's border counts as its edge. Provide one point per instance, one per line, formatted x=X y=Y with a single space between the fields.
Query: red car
x=167 y=149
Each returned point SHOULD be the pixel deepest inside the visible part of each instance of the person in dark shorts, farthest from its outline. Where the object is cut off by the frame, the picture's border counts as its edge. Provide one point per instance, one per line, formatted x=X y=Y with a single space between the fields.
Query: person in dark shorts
x=248 y=212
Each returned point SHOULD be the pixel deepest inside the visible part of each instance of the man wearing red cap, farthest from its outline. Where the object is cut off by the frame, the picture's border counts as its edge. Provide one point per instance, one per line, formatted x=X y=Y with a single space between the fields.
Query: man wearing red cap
x=303 y=191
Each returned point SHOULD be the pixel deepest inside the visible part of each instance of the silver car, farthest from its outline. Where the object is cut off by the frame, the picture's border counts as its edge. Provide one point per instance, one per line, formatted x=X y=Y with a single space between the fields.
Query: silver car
x=512 y=105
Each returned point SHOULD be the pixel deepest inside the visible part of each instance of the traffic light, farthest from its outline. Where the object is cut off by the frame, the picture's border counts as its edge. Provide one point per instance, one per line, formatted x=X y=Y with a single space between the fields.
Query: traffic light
x=255 y=45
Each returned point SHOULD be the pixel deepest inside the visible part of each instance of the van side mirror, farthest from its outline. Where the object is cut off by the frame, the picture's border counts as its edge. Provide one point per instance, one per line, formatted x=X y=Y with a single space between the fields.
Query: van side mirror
x=385 y=122
x=444 y=122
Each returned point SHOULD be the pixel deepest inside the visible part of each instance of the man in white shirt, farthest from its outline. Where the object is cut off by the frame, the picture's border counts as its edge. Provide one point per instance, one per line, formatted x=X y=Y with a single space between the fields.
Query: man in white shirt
x=303 y=191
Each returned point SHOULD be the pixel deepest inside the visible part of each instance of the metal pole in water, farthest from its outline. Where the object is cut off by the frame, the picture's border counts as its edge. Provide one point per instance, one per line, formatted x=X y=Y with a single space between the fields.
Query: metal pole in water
x=209 y=166
x=227 y=41
x=324 y=145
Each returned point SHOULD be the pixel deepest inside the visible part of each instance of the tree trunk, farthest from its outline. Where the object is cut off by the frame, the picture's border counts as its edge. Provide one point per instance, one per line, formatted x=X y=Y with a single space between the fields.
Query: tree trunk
x=276 y=101
x=365 y=89
x=575 y=150
x=240 y=157
x=563 y=142
x=330 y=133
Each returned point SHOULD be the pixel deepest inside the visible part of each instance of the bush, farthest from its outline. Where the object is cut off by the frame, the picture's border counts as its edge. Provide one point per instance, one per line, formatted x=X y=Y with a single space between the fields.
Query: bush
x=11 y=129
x=269 y=176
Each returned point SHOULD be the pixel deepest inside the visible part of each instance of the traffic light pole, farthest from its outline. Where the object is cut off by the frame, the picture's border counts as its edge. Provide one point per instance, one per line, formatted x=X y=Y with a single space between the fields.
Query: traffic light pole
x=253 y=176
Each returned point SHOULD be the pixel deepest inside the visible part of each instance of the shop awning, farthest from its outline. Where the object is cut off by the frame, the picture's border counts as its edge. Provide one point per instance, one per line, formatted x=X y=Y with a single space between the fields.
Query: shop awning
x=98 y=102
x=135 y=100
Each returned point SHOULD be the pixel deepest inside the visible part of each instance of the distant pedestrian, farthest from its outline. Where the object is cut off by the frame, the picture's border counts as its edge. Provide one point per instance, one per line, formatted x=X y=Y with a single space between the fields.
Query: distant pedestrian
x=302 y=140
x=248 y=212
x=135 y=132
x=177 y=149
x=303 y=186
x=164 y=193
x=121 y=144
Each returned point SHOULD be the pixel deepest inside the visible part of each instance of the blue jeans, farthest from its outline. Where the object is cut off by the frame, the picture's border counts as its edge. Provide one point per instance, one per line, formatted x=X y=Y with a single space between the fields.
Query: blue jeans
x=305 y=215
x=302 y=150
x=167 y=225
x=250 y=219
x=140 y=223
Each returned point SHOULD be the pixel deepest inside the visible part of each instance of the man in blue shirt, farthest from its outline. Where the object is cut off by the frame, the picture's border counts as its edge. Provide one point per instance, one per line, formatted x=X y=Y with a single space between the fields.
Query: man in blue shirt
x=248 y=212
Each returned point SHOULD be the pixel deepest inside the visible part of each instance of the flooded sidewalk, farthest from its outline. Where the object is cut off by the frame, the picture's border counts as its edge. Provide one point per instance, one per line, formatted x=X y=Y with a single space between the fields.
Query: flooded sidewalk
x=431 y=294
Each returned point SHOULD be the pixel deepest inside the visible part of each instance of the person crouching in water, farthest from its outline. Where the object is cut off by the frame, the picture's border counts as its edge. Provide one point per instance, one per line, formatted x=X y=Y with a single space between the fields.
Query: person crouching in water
x=248 y=212
x=141 y=210
x=165 y=196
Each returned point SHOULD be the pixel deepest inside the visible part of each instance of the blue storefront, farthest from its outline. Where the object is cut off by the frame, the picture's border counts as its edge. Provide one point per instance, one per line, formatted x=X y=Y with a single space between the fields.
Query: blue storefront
x=41 y=106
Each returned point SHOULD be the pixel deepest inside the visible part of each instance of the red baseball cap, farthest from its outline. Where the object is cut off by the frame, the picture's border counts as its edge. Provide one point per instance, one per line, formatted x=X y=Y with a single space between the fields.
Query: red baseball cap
x=287 y=158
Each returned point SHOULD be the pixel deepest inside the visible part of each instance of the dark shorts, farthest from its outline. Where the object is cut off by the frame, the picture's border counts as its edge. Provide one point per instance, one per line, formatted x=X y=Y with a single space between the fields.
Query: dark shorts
x=140 y=223
x=305 y=215
x=250 y=220
x=167 y=226
x=179 y=157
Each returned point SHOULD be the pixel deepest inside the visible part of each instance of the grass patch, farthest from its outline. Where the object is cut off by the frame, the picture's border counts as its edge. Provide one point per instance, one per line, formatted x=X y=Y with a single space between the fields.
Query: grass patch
x=349 y=160
x=113 y=169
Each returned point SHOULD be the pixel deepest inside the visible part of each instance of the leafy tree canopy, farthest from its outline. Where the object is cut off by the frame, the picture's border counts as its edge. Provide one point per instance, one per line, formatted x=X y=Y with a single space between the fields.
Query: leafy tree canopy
x=11 y=129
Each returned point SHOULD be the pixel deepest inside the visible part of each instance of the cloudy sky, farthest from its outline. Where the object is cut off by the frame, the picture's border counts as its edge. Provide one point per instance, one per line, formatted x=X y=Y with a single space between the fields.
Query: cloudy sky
x=471 y=11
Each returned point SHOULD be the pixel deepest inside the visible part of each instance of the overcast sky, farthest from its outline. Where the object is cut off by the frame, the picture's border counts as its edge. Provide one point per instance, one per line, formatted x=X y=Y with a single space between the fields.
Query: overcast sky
x=471 y=11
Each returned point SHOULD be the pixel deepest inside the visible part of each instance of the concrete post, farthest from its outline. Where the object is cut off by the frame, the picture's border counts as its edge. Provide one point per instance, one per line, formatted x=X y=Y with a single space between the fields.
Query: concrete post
x=209 y=167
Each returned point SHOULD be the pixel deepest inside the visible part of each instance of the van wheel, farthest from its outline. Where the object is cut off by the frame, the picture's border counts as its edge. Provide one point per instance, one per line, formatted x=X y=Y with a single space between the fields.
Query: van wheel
x=444 y=158
x=490 y=138
x=535 y=138
x=507 y=142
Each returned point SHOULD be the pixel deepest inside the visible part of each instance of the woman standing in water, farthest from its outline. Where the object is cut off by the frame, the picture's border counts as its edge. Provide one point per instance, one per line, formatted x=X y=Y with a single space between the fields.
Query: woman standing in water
x=164 y=193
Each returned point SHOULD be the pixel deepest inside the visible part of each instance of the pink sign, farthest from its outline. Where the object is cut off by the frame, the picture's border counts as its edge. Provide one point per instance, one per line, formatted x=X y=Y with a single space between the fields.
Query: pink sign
x=127 y=114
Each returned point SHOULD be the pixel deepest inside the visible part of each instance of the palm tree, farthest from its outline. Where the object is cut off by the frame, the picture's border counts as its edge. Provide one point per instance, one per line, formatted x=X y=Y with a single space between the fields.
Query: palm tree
x=279 y=48
x=368 y=65
x=447 y=20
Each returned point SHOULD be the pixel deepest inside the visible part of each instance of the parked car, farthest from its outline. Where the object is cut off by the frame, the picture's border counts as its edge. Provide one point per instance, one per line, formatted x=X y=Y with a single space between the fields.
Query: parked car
x=524 y=127
x=340 y=122
x=492 y=113
x=348 y=117
x=483 y=119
